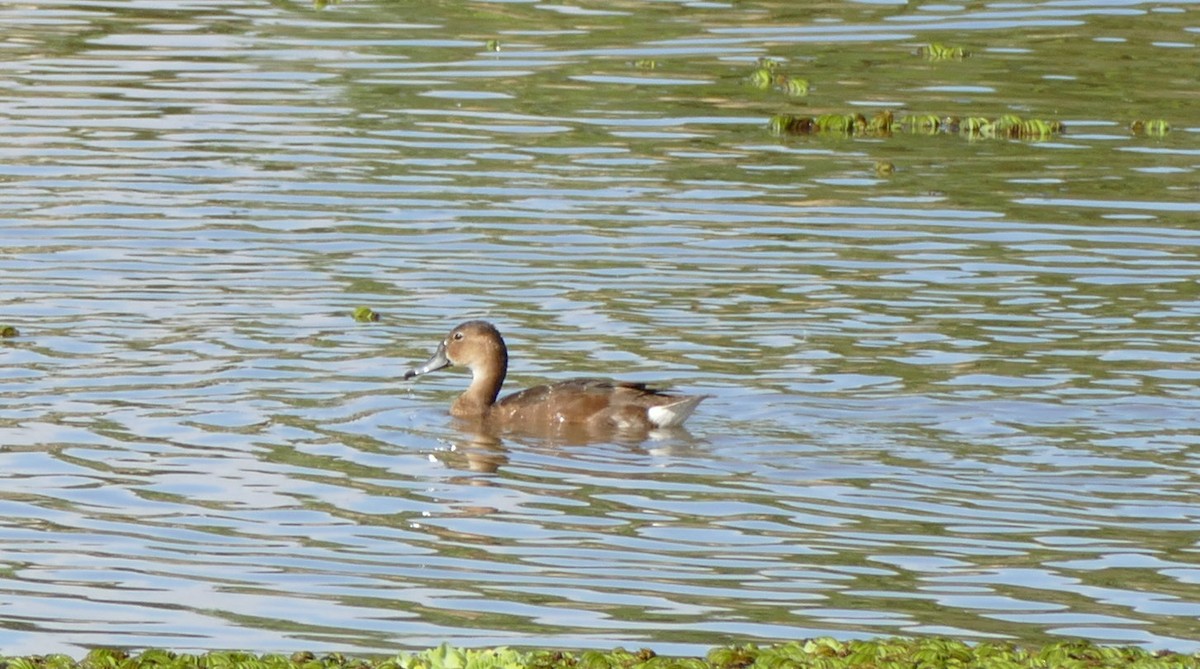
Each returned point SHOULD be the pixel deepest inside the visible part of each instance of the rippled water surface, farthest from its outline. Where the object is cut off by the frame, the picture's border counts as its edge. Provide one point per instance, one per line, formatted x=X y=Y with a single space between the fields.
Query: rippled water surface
x=960 y=399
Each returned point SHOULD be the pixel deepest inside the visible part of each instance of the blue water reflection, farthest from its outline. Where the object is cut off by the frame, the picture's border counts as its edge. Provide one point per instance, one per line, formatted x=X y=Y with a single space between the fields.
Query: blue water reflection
x=954 y=399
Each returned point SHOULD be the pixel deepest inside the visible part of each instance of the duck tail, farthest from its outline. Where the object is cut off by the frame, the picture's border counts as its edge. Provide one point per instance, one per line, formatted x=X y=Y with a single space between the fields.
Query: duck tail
x=674 y=413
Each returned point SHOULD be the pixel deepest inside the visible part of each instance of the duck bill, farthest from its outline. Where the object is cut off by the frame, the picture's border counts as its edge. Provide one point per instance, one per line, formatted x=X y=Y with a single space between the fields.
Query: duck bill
x=438 y=361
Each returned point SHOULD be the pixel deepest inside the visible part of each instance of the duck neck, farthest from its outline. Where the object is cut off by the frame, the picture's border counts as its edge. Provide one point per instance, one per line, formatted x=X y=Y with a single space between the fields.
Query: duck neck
x=486 y=380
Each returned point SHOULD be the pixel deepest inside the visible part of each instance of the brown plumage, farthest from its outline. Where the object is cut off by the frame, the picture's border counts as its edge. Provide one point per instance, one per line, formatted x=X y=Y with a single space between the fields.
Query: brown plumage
x=600 y=403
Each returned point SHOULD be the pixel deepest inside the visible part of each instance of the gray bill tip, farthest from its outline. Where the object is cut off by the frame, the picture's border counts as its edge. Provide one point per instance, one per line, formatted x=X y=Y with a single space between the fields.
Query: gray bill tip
x=434 y=363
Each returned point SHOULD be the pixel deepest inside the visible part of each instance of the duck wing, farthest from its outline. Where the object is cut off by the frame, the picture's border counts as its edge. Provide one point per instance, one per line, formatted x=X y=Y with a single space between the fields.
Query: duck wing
x=593 y=400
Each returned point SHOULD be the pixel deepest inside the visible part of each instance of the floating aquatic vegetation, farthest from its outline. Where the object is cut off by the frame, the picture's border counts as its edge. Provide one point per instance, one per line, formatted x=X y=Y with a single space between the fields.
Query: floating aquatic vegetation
x=1155 y=127
x=784 y=124
x=761 y=78
x=884 y=123
x=1012 y=127
x=1007 y=125
x=935 y=51
x=792 y=86
x=841 y=123
x=885 y=653
x=365 y=315
x=449 y=657
x=884 y=168
x=492 y=45
x=7 y=331
x=923 y=123
x=767 y=72
x=645 y=63
x=844 y=124
x=976 y=125
x=1038 y=129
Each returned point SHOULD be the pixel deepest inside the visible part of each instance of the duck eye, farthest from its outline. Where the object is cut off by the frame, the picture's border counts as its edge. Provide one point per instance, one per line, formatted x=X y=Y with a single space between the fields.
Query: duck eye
x=458 y=335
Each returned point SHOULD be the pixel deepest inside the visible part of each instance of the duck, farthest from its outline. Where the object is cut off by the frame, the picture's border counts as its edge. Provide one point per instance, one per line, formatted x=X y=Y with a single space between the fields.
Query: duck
x=588 y=402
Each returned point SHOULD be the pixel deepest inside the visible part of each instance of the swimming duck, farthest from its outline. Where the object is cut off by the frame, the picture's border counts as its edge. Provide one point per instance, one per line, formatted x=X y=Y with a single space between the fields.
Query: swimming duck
x=602 y=403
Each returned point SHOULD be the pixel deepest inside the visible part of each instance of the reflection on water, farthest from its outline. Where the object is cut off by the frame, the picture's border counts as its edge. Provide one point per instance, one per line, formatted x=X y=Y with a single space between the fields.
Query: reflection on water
x=958 y=400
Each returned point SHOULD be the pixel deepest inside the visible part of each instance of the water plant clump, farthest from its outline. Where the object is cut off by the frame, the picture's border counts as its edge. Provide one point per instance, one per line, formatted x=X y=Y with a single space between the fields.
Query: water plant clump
x=767 y=73
x=1155 y=127
x=824 y=652
x=761 y=78
x=884 y=123
x=935 y=51
x=792 y=86
x=365 y=315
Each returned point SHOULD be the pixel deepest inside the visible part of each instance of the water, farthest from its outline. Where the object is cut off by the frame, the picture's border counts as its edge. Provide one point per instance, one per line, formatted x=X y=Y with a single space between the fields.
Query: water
x=961 y=399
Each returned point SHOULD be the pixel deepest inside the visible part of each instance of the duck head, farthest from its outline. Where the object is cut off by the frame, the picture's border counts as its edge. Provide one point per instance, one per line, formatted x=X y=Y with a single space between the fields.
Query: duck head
x=478 y=346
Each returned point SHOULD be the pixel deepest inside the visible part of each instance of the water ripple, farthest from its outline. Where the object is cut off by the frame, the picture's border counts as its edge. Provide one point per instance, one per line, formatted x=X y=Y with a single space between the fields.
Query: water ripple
x=958 y=400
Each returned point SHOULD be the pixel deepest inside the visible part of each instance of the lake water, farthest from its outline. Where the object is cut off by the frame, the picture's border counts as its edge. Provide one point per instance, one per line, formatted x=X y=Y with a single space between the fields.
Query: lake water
x=961 y=398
